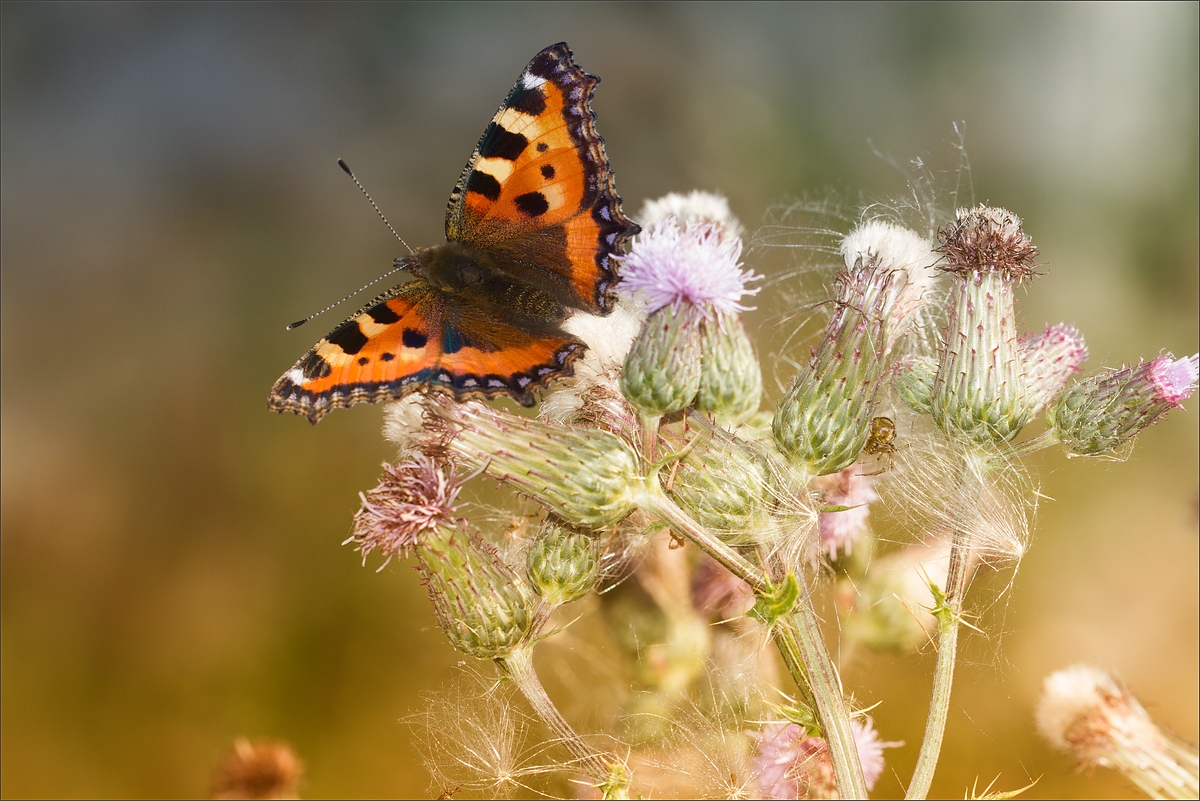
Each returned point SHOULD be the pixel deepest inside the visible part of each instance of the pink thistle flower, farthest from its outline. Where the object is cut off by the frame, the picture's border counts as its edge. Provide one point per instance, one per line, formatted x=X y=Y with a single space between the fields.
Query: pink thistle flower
x=1105 y=411
x=839 y=530
x=1174 y=379
x=718 y=593
x=697 y=265
x=411 y=498
x=1050 y=359
x=789 y=765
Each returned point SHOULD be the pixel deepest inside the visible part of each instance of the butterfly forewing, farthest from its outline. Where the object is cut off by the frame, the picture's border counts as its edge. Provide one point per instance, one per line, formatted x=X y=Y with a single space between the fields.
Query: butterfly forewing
x=539 y=176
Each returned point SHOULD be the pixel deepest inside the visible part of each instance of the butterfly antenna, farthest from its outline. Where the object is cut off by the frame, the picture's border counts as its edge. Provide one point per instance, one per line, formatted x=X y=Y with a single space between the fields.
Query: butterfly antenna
x=346 y=167
x=402 y=264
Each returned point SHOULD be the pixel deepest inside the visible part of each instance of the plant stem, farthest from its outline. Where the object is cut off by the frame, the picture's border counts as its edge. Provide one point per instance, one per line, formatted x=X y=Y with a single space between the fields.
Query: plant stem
x=601 y=767
x=803 y=650
x=1043 y=440
x=799 y=642
x=657 y=504
x=948 y=614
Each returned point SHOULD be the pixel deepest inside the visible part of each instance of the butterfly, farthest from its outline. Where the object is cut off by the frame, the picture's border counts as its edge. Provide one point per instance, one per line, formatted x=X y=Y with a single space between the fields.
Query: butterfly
x=532 y=229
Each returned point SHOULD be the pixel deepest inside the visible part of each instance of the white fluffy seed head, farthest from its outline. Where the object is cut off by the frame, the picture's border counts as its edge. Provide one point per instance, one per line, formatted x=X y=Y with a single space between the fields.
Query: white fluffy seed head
x=1082 y=708
x=888 y=248
x=608 y=340
x=694 y=207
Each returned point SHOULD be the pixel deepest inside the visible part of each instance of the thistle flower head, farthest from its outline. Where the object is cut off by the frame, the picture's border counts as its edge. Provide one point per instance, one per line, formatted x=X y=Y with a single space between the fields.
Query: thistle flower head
x=1050 y=359
x=887 y=249
x=411 y=499
x=1084 y=712
x=791 y=765
x=987 y=239
x=696 y=265
x=259 y=769
x=588 y=477
x=1107 y=410
x=839 y=530
x=484 y=607
x=697 y=206
x=563 y=564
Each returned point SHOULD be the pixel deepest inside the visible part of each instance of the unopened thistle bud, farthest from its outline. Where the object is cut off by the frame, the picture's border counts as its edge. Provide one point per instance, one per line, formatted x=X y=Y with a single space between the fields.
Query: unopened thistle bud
x=1050 y=359
x=483 y=606
x=730 y=378
x=722 y=481
x=1084 y=712
x=824 y=421
x=662 y=371
x=589 y=478
x=684 y=275
x=980 y=390
x=914 y=382
x=1103 y=412
x=563 y=564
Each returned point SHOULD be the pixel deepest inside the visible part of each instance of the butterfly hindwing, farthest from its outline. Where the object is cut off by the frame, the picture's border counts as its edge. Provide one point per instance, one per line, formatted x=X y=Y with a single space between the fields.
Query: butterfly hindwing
x=538 y=189
x=415 y=336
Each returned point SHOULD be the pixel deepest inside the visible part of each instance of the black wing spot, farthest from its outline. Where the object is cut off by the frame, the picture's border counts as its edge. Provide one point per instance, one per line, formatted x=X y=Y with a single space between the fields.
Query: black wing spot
x=483 y=184
x=313 y=366
x=532 y=204
x=349 y=337
x=383 y=314
x=363 y=360
x=500 y=143
x=412 y=338
x=542 y=147
x=547 y=171
x=527 y=101
x=386 y=357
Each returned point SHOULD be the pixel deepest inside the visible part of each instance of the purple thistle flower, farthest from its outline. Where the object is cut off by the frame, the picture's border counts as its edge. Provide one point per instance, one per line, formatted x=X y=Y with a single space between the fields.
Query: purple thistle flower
x=1105 y=411
x=696 y=265
x=411 y=498
x=789 y=765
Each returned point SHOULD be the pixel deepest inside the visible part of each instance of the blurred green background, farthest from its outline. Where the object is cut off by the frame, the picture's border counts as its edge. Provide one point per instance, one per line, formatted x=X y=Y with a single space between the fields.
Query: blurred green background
x=172 y=568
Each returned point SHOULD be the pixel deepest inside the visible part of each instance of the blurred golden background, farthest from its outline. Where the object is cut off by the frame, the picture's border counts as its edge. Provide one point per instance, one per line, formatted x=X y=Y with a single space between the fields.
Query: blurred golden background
x=173 y=574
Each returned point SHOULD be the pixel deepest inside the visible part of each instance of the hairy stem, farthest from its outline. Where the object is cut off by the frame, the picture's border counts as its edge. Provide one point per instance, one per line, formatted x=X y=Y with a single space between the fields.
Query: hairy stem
x=607 y=771
x=654 y=502
x=801 y=645
x=949 y=614
x=799 y=641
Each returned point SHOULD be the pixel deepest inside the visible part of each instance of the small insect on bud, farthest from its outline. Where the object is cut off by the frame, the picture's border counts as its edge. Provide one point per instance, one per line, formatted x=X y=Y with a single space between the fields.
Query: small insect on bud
x=563 y=564
x=980 y=391
x=1087 y=714
x=824 y=421
x=483 y=606
x=1105 y=411
x=730 y=378
x=589 y=478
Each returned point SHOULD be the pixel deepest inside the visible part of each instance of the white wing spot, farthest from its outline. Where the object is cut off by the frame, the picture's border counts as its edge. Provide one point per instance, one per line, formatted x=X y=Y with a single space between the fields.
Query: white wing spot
x=530 y=81
x=296 y=376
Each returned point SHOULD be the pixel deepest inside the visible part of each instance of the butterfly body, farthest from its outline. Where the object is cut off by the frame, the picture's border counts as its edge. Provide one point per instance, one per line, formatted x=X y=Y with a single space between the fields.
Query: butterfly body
x=532 y=228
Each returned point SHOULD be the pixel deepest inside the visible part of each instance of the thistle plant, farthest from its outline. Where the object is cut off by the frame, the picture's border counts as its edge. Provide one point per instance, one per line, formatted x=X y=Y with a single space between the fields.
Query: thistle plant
x=653 y=493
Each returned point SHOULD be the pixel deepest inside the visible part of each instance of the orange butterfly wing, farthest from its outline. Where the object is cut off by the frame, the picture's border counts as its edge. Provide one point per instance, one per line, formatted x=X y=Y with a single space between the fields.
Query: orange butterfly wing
x=413 y=336
x=538 y=192
x=537 y=200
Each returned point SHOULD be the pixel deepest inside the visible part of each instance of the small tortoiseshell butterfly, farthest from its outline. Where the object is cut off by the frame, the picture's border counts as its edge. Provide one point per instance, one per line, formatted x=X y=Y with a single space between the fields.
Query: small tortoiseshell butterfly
x=532 y=227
